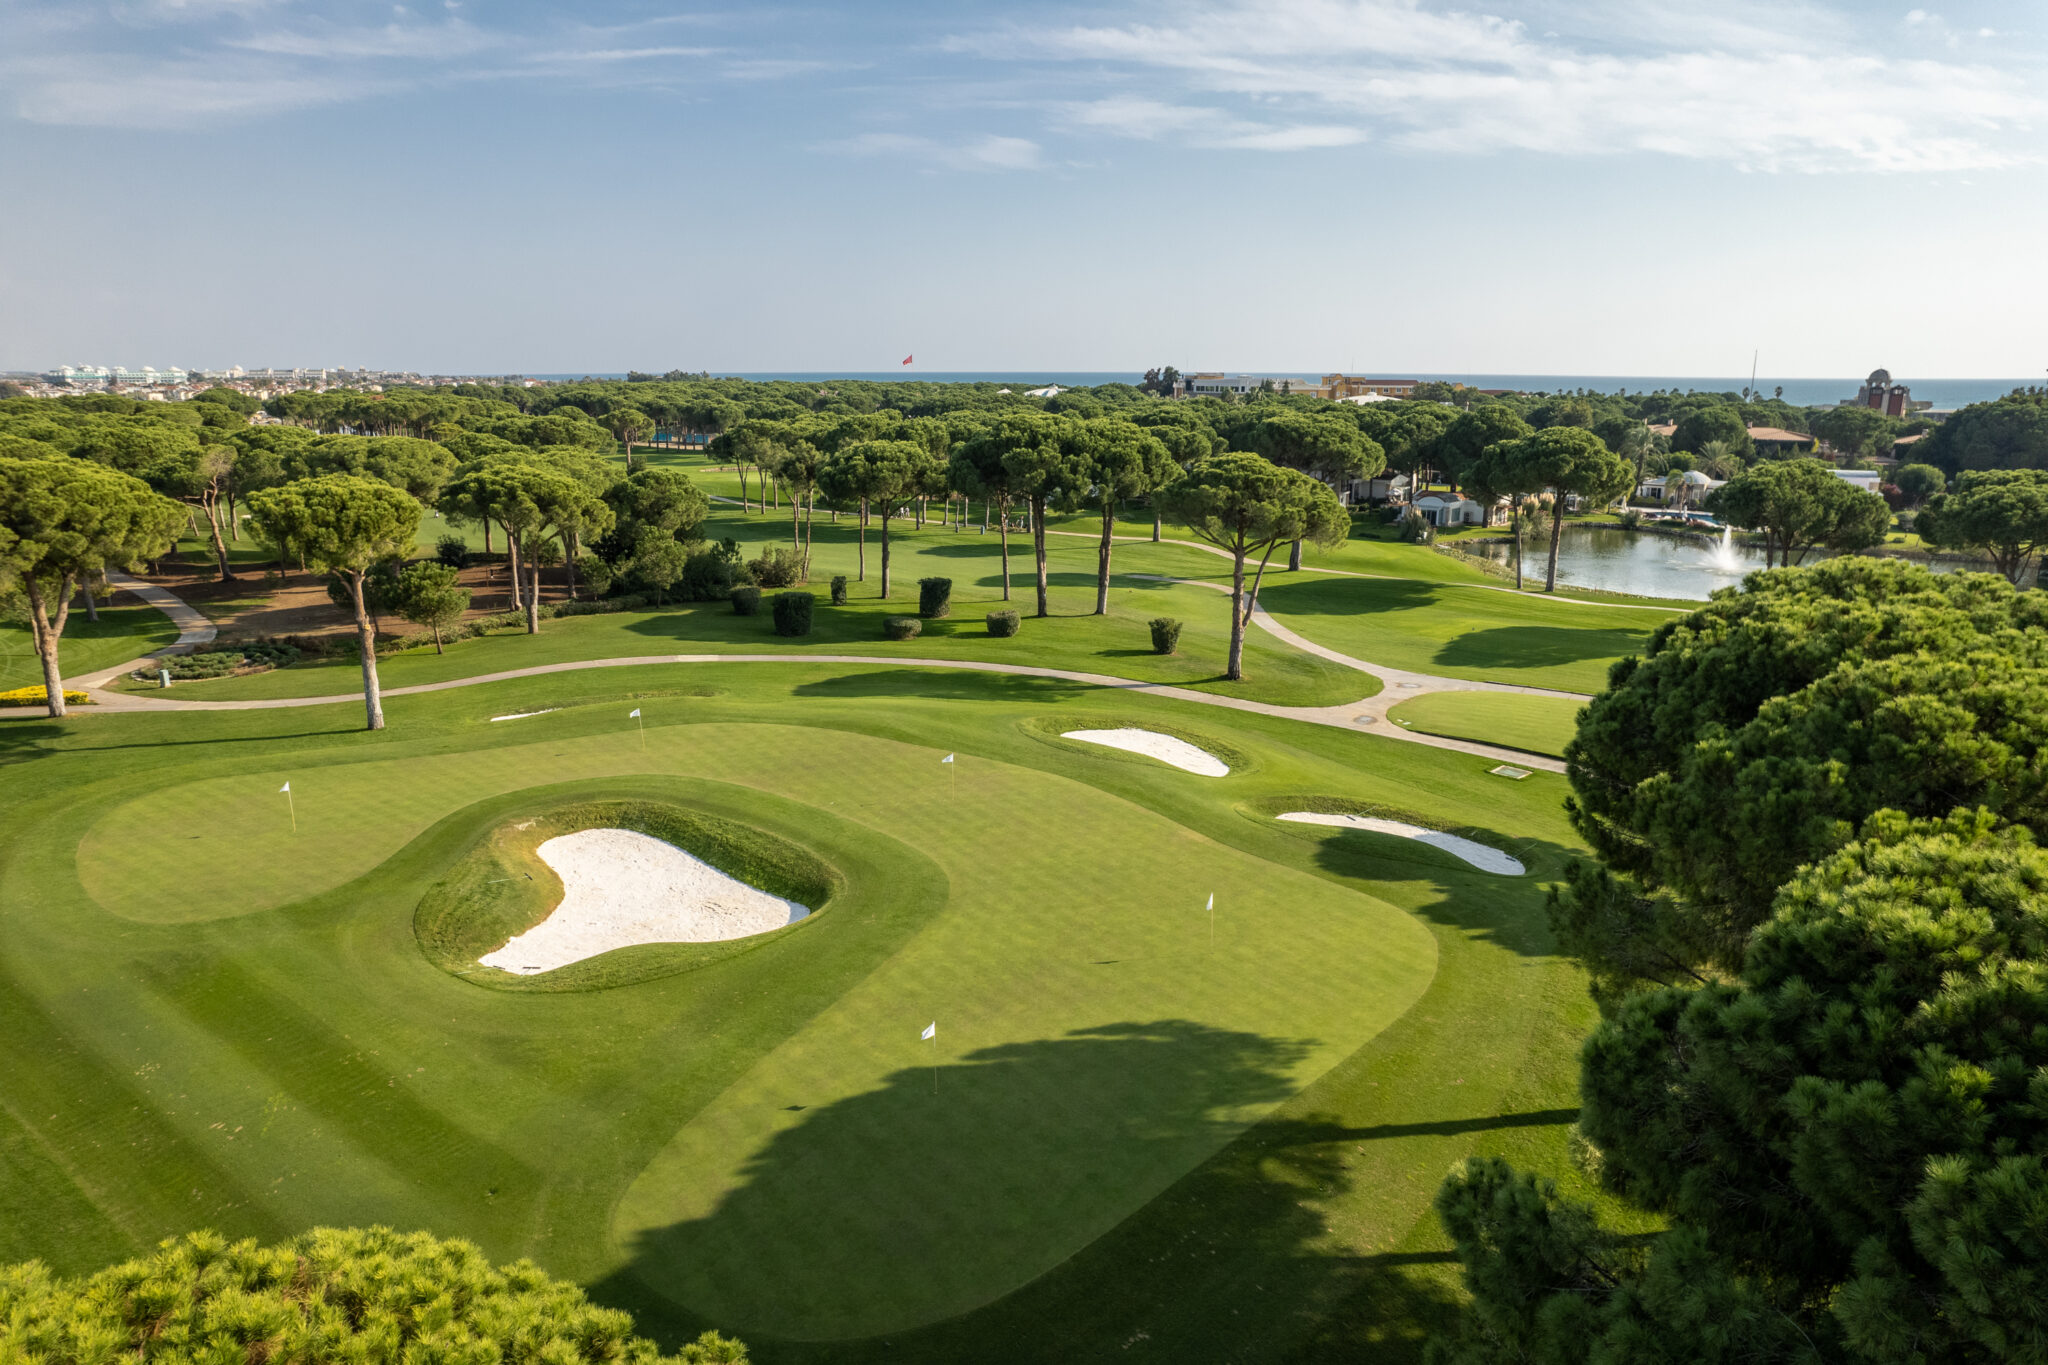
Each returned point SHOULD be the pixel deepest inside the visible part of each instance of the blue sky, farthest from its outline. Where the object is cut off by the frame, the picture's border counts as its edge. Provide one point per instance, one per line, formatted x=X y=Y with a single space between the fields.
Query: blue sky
x=1374 y=185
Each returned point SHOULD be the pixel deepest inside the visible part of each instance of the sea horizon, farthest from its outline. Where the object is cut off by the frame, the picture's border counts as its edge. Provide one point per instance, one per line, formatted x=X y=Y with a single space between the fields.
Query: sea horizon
x=1805 y=391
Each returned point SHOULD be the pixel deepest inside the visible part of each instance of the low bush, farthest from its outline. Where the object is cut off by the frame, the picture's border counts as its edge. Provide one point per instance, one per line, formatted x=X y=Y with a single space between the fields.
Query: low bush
x=255 y=657
x=934 y=598
x=1003 y=624
x=839 y=590
x=901 y=627
x=710 y=574
x=778 y=567
x=746 y=601
x=595 y=574
x=452 y=551
x=1165 y=634
x=793 y=613
x=36 y=696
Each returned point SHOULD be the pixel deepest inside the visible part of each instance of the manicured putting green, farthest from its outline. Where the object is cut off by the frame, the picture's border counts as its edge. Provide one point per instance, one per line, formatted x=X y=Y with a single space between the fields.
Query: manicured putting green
x=828 y=1193
x=1516 y=720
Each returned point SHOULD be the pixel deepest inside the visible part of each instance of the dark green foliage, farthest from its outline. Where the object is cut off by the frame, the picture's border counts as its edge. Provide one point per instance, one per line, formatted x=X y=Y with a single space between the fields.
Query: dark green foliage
x=331 y=1294
x=595 y=574
x=901 y=627
x=746 y=601
x=2011 y=433
x=1756 y=734
x=251 y=657
x=710 y=575
x=1919 y=482
x=1799 y=505
x=793 y=613
x=427 y=594
x=778 y=567
x=1003 y=624
x=452 y=551
x=934 y=598
x=1165 y=634
x=1723 y=423
x=839 y=590
x=658 y=565
x=2002 y=513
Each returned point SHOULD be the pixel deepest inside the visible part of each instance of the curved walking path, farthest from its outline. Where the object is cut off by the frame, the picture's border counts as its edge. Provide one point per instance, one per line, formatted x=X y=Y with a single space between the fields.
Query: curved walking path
x=1369 y=711
x=193 y=630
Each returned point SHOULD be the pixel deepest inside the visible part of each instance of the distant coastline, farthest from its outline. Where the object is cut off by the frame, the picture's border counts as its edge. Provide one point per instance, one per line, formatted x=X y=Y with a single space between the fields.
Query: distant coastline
x=1943 y=393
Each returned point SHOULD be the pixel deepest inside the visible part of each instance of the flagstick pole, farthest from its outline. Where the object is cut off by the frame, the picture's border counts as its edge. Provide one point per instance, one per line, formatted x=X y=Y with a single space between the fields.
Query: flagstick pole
x=641 y=725
x=293 y=808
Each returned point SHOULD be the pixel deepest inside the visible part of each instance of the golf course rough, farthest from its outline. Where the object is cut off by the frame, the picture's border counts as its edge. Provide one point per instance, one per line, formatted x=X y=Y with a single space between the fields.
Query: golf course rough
x=752 y=1132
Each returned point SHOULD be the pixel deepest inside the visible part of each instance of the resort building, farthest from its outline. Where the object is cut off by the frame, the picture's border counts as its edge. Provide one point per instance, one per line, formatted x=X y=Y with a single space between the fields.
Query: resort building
x=1688 y=488
x=1880 y=394
x=1445 y=510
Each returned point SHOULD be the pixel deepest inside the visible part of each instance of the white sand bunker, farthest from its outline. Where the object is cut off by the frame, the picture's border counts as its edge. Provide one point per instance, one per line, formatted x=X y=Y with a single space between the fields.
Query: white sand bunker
x=1165 y=748
x=621 y=888
x=1479 y=855
x=523 y=715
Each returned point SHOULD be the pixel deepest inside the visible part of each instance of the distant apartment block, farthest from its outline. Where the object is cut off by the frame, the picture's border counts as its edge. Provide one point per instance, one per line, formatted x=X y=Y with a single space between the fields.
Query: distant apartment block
x=1216 y=384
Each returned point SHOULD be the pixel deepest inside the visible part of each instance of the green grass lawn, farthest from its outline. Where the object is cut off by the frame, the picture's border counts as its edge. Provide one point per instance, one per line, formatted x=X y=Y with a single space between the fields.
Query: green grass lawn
x=1118 y=645
x=1462 y=632
x=1542 y=725
x=121 y=634
x=1133 y=1140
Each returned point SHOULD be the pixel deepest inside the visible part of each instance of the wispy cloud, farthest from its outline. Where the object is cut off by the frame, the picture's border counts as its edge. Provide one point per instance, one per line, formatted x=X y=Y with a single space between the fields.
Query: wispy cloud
x=1798 y=88
x=987 y=153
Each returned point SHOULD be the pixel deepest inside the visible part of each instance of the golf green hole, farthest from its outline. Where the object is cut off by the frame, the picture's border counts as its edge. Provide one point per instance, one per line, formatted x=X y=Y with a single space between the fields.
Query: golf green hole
x=504 y=888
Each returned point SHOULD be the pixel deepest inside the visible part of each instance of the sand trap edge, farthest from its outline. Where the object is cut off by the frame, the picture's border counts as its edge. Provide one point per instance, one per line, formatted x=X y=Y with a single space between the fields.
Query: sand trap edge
x=1481 y=856
x=1167 y=749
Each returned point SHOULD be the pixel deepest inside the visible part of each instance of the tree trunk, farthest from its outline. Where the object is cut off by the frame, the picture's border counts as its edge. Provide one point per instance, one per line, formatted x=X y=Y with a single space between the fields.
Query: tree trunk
x=46 y=637
x=1294 y=557
x=1102 y=559
x=1252 y=603
x=512 y=567
x=1002 y=534
x=1038 y=549
x=487 y=535
x=860 y=532
x=1234 y=668
x=810 y=512
x=885 y=551
x=366 y=641
x=220 y=548
x=92 y=608
x=1155 y=523
x=533 y=598
x=741 y=470
x=437 y=639
x=1556 y=535
x=1517 y=514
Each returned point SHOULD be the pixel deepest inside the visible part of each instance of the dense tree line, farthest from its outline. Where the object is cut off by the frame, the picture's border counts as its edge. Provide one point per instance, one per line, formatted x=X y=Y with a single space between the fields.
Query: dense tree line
x=1818 y=934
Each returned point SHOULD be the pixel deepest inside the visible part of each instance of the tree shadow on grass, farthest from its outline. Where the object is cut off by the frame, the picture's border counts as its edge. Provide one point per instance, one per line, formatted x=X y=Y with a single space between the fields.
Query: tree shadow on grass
x=1503 y=647
x=905 y=1187
x=946 y=684
x=1318 y=595
x=1491 y=907
x=915 y=1200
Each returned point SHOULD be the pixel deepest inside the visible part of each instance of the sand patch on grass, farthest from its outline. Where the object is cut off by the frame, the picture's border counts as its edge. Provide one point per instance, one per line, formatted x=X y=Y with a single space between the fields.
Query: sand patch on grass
x=1152 y=744
x=522 y=715
x=621 y=888
x=1478 y=854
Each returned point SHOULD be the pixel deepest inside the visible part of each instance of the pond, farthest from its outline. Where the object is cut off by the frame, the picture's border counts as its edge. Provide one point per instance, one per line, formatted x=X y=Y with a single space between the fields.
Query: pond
x=1610 y=559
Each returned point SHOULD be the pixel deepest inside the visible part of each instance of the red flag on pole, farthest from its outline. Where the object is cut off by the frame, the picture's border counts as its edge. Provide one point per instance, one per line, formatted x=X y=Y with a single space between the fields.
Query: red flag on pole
x=907 y=359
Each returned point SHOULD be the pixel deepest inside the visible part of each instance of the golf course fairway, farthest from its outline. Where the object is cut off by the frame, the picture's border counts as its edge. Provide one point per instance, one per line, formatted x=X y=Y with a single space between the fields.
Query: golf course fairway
x=1138 y=1123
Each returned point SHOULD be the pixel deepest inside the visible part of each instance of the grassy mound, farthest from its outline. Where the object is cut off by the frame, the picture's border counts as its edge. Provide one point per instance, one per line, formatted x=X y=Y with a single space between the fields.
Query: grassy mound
x=502 y=888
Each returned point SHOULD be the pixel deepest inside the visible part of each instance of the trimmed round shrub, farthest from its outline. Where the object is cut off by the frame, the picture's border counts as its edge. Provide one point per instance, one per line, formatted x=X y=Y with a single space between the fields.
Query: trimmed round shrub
x=934 y=598
x=793 y=613
x=452 y=551
x=839 y=590
x=901 y=627
x=1002 y=624
x=746 y=601
x=1165 y=634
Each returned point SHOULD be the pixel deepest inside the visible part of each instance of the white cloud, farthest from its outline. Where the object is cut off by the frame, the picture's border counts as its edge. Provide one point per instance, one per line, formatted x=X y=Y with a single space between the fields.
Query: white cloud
x=1797 y=89
x=989 y=153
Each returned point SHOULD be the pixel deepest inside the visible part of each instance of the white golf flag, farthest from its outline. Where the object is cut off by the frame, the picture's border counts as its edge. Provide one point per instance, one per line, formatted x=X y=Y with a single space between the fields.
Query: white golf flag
x=633 y=714
x=1212 y=902
x=947 y=759
x=285 y=788
x=931 y=1030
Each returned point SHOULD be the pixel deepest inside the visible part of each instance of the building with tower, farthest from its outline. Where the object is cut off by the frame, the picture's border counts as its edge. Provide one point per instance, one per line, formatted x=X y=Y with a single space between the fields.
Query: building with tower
x=1881 y=395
